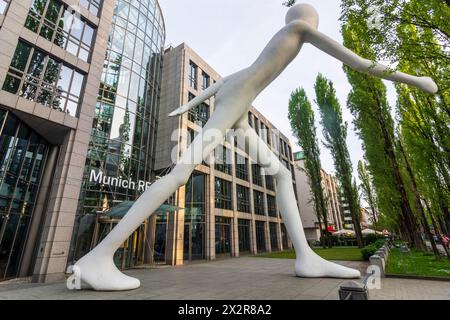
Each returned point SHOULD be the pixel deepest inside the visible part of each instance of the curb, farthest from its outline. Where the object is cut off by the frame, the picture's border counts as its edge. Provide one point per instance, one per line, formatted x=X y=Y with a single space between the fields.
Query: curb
x=414 y=277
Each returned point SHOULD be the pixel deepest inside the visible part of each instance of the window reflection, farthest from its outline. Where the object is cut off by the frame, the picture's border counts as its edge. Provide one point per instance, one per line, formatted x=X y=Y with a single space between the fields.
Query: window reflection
x=56 y=23
x=46 y=81
x=22 y=158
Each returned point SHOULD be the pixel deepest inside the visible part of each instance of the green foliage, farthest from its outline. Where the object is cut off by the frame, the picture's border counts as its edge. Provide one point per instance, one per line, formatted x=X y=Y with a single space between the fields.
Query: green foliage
x=301 y=117
x=289 y=3
x=416 y=35
x=375 y=126
x=370 y=249
x=335 y=134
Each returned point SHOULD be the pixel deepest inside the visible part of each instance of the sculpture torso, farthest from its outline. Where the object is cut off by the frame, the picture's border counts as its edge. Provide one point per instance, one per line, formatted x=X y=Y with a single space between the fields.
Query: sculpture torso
x=241 y=88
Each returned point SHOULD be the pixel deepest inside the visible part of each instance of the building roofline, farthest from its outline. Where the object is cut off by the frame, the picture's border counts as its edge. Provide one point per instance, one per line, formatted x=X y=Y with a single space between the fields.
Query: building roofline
x=163 y=20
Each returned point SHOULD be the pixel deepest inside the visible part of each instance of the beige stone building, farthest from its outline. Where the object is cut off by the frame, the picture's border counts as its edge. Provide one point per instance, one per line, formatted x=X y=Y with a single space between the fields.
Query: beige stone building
x=228 y=206
x=52 y=68
x=49 y=80
x=306 y=204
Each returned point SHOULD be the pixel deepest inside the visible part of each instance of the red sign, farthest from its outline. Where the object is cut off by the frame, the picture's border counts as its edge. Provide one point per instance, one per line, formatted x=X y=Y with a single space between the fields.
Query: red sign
x=331 y=228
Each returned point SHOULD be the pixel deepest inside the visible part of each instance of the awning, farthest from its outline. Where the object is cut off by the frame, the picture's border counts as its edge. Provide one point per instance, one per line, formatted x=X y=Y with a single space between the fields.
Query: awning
x=120 y=210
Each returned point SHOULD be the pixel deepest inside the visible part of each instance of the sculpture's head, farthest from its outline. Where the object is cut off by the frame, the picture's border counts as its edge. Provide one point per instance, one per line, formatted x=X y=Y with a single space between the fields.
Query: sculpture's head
x=304 y=12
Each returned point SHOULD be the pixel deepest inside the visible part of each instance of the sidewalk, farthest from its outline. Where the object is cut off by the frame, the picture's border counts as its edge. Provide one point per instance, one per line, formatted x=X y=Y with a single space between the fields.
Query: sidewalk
x=233 y=279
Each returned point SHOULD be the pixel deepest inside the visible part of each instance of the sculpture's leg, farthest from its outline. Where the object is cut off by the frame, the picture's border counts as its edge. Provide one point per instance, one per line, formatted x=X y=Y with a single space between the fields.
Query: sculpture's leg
x=97 y=268
x=308 y=263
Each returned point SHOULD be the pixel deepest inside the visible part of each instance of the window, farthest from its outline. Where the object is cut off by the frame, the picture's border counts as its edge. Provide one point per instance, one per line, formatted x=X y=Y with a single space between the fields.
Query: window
x=92 y=5
x=223 y=192
x=190 y=136
x=4 y=4
x=243 y=198
x=256 y=174
x=193 y=71
x=38 y=77
x=274 y=140
x=282 y=147
x=223 y=159
x=223 y=235
x=206 y=80
x=273 y=236
x=241 y=167
x=260 y=227
x=244 y=235
x=258 y=201
x=250 y=119
x=264 y=133
x=284 y=236
x=200 y=114
x=271 y=206
x=270 y=182
x=56 y=23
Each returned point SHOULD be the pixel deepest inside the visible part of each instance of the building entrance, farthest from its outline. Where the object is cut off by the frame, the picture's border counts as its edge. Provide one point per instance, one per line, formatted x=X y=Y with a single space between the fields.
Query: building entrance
x=22 y=160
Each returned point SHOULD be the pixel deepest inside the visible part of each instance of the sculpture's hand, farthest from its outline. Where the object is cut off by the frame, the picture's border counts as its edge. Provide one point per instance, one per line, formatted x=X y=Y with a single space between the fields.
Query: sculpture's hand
x=351 y=59
x=206 y=94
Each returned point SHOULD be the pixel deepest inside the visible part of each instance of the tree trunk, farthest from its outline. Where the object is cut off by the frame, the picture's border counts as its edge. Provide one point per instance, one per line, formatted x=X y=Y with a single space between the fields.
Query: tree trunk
x=436 y=230
x=409 y=219
x=419 y=205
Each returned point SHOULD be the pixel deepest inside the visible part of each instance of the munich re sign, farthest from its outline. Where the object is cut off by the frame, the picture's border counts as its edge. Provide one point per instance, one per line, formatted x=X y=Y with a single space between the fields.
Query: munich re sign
x=100 y=178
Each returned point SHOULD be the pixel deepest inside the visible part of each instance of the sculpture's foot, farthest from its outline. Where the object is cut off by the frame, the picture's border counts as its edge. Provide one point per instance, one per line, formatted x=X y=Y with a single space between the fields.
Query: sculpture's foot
x=101 y=274
x=313 y=266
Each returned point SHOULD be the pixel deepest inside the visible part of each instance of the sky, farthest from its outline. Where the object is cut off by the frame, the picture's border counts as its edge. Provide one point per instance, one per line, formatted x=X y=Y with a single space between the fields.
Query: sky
x=230 y=34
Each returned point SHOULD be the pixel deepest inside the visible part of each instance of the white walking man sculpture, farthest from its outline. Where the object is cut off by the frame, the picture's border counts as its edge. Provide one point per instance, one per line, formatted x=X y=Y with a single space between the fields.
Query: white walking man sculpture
x=234 y=96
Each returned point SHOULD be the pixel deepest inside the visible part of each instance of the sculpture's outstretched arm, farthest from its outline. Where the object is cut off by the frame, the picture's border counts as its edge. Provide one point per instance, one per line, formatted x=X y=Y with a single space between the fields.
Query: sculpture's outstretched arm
x=206 y=94
x=348 y=57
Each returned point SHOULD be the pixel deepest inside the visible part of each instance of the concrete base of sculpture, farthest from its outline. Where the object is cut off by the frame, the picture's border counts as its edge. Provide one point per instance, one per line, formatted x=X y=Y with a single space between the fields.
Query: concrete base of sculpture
x=234 y=97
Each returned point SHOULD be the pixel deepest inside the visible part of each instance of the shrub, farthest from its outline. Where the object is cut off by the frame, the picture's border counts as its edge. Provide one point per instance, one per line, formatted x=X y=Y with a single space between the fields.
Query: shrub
x=370 y=250
x=372 y=238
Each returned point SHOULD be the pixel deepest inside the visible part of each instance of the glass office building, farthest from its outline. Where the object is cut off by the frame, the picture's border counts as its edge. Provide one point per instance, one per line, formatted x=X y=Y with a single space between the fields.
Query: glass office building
x=121 y=154
x=49 y=82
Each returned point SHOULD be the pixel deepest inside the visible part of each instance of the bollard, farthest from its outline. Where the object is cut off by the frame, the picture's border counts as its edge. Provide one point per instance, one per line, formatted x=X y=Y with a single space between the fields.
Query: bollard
x=352 y=290
x=379 y=262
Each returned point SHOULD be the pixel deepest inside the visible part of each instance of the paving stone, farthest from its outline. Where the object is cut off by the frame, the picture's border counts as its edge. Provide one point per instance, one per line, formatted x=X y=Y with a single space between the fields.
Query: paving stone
x=231 y=279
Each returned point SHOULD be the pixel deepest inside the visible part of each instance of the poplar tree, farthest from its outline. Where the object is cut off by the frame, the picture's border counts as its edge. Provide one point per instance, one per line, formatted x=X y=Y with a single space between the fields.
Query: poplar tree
x=335 y=135
x=372 y=117
x=301 y=117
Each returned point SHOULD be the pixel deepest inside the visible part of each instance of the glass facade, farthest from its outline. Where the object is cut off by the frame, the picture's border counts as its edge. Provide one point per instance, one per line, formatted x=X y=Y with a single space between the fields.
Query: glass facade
x=39 y=77
x=194 y=218
x=120 y=159
x=22 y=159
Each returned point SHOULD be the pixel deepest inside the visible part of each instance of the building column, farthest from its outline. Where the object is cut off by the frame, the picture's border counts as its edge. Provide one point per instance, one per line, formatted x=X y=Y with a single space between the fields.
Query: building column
x=235 y=237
